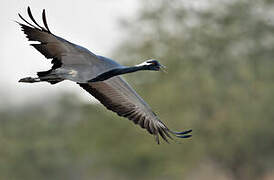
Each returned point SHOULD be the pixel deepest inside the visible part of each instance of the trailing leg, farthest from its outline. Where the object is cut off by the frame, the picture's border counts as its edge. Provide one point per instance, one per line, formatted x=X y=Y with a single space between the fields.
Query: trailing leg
x=46 y=76
x=30 y=80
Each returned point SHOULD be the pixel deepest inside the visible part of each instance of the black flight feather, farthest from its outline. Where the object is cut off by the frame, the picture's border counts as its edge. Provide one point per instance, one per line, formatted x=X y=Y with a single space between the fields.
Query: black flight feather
x=45 y=20
x=33 y=20
x=26 y=21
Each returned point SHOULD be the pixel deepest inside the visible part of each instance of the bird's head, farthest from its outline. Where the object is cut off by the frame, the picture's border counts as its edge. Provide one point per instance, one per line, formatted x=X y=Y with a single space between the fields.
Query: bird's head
x=152 y=64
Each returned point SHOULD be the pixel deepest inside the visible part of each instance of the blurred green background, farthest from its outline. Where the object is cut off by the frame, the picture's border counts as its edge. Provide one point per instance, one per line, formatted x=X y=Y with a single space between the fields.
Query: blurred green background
x=219 y=83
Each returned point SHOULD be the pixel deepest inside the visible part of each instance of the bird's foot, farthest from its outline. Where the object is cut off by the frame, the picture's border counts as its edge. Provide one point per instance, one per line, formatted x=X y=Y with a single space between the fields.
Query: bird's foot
x=29 y=80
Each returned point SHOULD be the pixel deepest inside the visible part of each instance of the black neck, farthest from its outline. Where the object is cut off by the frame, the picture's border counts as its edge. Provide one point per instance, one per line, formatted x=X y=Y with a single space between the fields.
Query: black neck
x=131 y=69
x=118 y=71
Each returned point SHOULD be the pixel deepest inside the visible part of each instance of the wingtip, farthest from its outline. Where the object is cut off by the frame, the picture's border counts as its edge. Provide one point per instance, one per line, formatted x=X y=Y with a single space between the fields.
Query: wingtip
x=28 y=10
x=45 y=20
x=20 y=16
x=33 y=20
x=16 y=21
x=183 y=134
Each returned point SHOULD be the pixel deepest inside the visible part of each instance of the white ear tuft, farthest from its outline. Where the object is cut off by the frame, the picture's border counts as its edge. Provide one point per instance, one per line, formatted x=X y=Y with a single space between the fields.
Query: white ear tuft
x=144 y=63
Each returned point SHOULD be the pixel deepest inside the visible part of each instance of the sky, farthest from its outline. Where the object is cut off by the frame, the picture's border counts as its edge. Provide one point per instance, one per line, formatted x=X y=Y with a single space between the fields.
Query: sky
x=90 y=23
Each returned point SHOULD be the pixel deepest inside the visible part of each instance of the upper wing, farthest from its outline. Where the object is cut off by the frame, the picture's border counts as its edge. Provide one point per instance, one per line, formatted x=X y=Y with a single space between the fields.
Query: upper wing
x=51 y=46
x=62 y=51
x=118 y=96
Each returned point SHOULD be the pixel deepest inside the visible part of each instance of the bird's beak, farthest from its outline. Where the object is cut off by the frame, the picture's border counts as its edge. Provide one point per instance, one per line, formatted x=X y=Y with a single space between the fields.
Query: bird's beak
x=163 y=68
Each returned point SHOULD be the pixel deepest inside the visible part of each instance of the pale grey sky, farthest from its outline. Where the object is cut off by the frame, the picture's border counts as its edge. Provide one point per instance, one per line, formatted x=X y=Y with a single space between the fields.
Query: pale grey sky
x=90 y=23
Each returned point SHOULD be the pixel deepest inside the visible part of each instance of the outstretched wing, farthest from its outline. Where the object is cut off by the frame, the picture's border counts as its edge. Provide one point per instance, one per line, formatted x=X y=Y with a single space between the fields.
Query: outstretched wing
x=51 y=46
x=118 y=96
x=63 y=52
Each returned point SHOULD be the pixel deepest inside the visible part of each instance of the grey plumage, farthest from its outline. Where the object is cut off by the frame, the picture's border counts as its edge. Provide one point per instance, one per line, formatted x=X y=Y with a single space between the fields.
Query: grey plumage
x=98 y=75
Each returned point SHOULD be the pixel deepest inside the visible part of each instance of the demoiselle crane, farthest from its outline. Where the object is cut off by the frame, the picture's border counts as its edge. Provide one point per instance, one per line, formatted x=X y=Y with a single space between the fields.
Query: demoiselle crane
x=98 y=75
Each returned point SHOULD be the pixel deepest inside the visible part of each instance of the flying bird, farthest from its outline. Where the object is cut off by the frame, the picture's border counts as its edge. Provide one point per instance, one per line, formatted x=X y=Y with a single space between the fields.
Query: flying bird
x=96 y=74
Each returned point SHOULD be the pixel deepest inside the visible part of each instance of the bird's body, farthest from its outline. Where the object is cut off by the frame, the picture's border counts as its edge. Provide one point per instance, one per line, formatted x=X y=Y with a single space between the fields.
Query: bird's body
x=96 y=74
